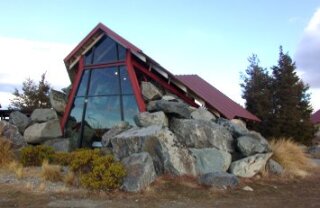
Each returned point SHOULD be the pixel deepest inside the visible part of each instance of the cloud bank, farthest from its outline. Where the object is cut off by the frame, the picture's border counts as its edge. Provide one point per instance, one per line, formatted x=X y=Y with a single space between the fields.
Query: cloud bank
x=307 y=55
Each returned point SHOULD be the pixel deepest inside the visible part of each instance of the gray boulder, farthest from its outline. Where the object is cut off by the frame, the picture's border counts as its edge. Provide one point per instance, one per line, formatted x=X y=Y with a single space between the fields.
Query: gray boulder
x=235 y=129
x=210 y=160
x=202 y=114
x=274 y=167
x=176 y=109
x=40 y=132
x=20 y=120
x=147 y=119
x=59 y=144
x=43 y=115
x=140 y=172
x=160 y=143
x=314 y=151
x=201 y=134
x=219 y=180
x=251 y=144
x=11 y=133
x=150 y=92
x=58 y=101
x=113 y=131
x=66 y=90
x=249 y=166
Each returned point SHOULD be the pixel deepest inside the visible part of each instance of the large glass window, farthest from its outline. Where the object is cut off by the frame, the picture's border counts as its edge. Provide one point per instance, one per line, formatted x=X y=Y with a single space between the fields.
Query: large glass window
x=105 y=51
x=104 y=98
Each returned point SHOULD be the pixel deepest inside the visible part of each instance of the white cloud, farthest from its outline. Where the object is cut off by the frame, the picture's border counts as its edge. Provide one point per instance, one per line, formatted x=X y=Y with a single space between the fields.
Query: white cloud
x=307 y=58
x=21 y=59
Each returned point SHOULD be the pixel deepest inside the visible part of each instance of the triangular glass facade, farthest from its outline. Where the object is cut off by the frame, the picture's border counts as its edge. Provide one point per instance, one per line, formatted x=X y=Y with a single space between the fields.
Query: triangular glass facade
x=104 y=95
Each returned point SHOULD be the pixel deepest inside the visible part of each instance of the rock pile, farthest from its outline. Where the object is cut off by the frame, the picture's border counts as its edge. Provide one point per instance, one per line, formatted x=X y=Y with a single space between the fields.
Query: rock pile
x=171 y=138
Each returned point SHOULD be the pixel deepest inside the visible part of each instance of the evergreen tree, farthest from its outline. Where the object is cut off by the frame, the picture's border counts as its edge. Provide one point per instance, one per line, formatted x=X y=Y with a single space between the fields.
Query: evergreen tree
x=281 y=100
x=256 y=91
x=291 y=102
x=32 y=96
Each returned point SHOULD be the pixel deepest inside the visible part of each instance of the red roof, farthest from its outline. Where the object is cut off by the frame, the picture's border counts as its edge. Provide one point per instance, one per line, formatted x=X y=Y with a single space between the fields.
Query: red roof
x=315 y=118
x=215 y=98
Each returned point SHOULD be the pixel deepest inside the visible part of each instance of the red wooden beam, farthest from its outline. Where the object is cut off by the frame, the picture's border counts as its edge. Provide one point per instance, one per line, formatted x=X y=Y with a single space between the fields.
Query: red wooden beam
x=72 y=94
x=163 y=83
x=134 y=82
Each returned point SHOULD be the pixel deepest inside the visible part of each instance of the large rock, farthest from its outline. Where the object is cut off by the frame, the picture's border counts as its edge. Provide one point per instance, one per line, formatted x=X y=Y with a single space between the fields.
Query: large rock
x=59 y=144
x=40 y=132
x=145 y=119
x=67 y=91
x=219 y=180
x=160 y=143
x=20 y=120
x=176 y=109
x=202 y=114
x=252 y=144
x=236 y=130
x=201 y=134
x=58 y=101
x=11 y=132
x=150 y=92
x=210 y=160
x=43 y=115
x=114 y=131
x=140 y=172
x=249 y=166
x=274 y=167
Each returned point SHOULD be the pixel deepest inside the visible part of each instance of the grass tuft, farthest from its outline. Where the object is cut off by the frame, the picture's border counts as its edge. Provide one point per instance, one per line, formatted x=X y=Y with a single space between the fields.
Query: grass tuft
x=16 y=168
x=291 y=156
x=51 y=172
x=6 y=152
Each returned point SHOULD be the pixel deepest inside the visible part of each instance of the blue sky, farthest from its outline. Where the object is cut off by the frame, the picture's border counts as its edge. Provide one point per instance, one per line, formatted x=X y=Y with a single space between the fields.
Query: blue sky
x=210 y=38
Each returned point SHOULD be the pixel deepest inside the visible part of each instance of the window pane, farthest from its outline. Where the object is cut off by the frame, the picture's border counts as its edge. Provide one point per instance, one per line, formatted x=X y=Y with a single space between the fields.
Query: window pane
x=104 y=82
x=102 y=113
x=130 y=108
x=125 y=81
x=105 y=51
x=73 y=127
x=88 y=58
x=83 y=84
x=122 y=52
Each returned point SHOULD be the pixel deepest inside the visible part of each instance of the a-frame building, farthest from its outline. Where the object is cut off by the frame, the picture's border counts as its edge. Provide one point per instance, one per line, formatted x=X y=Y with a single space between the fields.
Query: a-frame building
x=106 y=72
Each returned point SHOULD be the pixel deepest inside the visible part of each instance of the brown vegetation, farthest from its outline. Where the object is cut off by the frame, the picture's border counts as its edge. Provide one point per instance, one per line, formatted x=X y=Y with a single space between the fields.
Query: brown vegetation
x=291 y=156
x=6 y=153
x=51 y=172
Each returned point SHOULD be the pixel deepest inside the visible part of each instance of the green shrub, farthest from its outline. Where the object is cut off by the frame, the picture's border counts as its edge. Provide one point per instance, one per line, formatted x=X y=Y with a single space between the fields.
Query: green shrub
x=62 y=158
x=106 y=174
x=34 y=155
x=82 y=160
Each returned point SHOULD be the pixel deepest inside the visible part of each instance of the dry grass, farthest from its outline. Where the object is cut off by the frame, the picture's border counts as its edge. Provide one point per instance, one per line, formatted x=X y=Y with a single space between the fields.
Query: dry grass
x=6 y=153
x=50 y=172
x=70 y=178
x=292 y=157
x=16 y=168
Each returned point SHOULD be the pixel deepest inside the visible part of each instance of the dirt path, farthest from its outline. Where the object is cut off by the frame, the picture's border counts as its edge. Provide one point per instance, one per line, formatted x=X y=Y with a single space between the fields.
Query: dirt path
x=167 y=193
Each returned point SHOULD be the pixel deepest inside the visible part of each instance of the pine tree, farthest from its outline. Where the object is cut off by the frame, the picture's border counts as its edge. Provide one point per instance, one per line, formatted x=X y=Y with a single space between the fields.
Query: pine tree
x=32 y=96
x=291 y=102
x=256 y=91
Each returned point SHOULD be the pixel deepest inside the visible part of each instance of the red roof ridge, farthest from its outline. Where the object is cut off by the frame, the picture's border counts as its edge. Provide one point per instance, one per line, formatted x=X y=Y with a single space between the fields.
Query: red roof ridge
x=315 y=117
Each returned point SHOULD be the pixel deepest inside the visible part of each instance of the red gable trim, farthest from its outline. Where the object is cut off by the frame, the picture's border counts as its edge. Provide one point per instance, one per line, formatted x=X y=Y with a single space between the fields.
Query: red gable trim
x=215 y=98
x=315 y=118
x=110 y=33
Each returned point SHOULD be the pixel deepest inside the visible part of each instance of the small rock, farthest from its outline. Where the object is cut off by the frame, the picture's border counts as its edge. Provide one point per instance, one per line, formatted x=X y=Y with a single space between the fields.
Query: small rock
x=140 y=172
x=250 y=145
x=43 y=115
x=145 y=119
x=20 y=120
x=59 y=144
x=235 y=130
x=177 y=109
x=58 y=100
x=219 y=180
x=40 y=132
x=274 y=167
x=114 y=131
x=249 y=166
x=202 y=114
x=314 y=151
x=150 y=91
x=247 y=188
